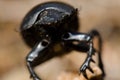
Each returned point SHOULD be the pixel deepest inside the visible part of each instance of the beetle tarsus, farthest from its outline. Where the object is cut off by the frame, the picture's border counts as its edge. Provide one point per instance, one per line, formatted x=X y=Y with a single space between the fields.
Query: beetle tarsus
x=86 y=65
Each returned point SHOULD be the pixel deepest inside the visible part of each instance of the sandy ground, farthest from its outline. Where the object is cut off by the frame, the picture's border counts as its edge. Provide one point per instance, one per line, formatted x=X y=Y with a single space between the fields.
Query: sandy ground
x=99 y=14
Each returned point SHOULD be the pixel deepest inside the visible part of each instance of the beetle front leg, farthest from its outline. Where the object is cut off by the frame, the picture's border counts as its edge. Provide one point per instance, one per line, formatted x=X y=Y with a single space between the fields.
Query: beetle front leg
x=87 y=39
x=37 y=52
x=96 y=34
x=86 y=64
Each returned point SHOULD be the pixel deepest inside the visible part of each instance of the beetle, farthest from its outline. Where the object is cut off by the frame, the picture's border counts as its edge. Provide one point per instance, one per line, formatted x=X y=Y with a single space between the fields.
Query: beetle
x=51 y=30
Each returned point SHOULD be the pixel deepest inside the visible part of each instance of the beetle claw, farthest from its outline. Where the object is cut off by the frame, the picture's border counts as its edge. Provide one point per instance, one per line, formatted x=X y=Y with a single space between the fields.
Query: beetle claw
x=85 y=75
x=86 y=66
x=90 y=69
x=36 y=78
x=92 y=60
x=83 y=70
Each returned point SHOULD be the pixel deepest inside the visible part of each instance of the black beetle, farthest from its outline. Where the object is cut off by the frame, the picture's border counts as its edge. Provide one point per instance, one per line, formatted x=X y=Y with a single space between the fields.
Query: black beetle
x=51 y=29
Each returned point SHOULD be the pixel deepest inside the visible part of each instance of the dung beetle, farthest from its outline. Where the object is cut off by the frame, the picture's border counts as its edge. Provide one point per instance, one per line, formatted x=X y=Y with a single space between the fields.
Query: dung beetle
x=51 y=30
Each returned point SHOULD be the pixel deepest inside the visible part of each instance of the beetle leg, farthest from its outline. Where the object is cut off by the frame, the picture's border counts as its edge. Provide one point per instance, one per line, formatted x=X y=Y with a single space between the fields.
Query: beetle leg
x=83 y=38
x=95 y=33
x=36 y=52
x=86 y=64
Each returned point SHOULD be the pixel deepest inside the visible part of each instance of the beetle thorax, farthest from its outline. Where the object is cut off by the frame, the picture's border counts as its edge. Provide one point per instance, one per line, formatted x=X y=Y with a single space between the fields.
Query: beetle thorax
x=50 y=16
x=52 y=21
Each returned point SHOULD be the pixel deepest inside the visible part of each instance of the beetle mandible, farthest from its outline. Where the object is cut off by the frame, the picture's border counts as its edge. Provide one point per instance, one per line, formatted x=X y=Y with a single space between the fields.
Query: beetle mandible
x=54 y=24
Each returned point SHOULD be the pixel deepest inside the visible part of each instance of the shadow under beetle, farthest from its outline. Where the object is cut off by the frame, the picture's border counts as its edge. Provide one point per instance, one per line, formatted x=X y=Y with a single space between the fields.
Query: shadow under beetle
x=51 y=29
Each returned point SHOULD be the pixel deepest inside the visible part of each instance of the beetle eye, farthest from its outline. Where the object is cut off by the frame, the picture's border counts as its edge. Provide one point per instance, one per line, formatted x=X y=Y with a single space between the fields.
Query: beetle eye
x=44 y=43
x=65 y=36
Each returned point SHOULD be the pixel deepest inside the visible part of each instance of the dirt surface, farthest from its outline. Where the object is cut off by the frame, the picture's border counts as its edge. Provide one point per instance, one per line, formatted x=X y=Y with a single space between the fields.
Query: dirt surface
x=102 y=15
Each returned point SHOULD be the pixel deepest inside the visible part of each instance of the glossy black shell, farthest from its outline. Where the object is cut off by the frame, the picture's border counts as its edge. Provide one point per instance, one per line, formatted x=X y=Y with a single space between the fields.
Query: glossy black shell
x=60 y=13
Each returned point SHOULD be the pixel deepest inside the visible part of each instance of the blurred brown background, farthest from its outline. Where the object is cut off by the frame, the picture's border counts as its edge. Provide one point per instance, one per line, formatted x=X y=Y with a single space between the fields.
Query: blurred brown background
x=103 y=15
